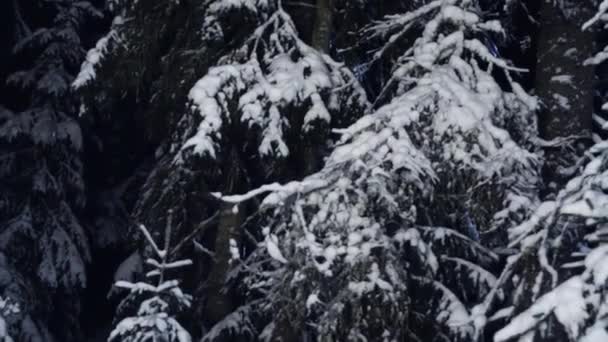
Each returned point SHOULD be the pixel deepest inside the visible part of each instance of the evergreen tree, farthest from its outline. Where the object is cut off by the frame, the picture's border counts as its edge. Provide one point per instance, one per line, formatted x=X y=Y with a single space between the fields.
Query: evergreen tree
x=415 y=217
x=381 y=243
x=160 y=49
x=279 y=89
x=263 y=113
x=158 y=304
x=557 y=278
x=41 y=185
x=266 y=98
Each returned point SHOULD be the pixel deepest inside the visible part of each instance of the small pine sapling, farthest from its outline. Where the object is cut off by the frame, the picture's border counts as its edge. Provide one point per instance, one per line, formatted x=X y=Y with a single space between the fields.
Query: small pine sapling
x=160 y=300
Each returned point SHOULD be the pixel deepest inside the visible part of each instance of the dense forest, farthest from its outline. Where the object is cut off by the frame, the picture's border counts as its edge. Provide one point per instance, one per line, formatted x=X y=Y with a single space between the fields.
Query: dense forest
x=303 y=170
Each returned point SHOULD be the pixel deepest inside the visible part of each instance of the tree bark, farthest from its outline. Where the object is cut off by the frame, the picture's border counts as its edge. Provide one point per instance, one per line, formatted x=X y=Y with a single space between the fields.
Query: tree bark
x=219 y=303
x=563 y=84
x=321 y=34
x=562 y=48
x=321 y=41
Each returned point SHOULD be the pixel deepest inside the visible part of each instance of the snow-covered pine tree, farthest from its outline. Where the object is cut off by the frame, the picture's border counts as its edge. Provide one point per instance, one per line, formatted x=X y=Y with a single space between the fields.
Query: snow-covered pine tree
x=487 y=173
x=381 y=243
x=137 y=78
x=158 y=299
x=41 y=184
x=558 y=278
x=264 y=104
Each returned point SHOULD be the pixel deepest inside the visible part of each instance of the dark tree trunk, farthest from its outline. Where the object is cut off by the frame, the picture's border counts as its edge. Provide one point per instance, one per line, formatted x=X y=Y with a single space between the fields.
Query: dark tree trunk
x=562 y=48
x=321 y=41
x=321 y=34
x=564 y=85
x=219 y=302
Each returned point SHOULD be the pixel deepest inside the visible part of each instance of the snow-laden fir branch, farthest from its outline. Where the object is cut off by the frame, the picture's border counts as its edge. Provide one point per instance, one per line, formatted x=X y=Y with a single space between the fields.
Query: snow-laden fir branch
x=560 y=233
x=95 y=55
x=270 y=81
x=563 y=249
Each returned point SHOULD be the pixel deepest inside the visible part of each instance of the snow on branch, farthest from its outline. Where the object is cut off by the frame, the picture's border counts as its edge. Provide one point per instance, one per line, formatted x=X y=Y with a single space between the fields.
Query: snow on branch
x=444 y=119
x=269 y=79
x=160 y=253
x=438 y=42
x=580 y=209
x=599 y=16
x=95 y=55
x=276 y=189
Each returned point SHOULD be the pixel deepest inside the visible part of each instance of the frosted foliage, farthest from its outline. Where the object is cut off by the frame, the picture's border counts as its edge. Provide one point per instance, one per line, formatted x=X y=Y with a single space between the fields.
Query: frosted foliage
x=351 y=233
x=56 y=50
x=212 y=29
x=19 y=320
x=600 y=18
x=465 y=124
x=579 y=302
x=460 y=107
x=331 y=228
x=42 y=126
x=565 y=289
x=579 y=305
x=150 y=324
x=94 y=56
x=7 y=308
x=264 y=86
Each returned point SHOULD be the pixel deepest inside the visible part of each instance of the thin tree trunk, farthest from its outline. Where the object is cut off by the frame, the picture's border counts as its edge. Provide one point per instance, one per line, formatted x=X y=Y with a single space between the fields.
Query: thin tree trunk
x=321 y=34
x=220 y=302
x=22 y=30
x=321 y=40
x=564 y=85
